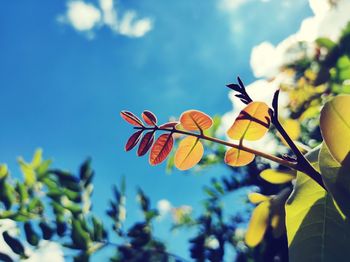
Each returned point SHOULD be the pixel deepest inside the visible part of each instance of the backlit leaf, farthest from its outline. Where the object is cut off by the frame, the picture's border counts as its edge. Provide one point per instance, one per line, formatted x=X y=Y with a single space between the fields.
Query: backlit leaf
x=277 y=177
x=292 y=128
x=194 y=120
x=237 y=157
x=161 y=149
x=256 y=198
x=27 y=171
x=336 y=178
x=146 y=143
x=252 y=123
x=131 y=118
x=133 y=140
x=37 y=158
x=189 y=153
x=258 y=223
x=3 y=171
x=335 y=126
x=149 y=118
x=316 y=229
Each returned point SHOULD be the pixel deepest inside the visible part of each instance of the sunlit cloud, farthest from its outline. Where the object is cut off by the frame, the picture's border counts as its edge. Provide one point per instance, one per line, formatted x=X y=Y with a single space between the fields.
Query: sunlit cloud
x=88 y=18
x=231 y=5
x=266 y=59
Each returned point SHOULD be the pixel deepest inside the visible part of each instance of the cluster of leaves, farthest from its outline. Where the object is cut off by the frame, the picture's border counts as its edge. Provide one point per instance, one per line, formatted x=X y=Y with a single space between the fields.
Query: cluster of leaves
x=251 y=124
x=55 y=205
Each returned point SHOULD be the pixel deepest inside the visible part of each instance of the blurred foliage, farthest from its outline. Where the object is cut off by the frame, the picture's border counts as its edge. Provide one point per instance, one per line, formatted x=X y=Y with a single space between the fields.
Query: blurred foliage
x=53 y=204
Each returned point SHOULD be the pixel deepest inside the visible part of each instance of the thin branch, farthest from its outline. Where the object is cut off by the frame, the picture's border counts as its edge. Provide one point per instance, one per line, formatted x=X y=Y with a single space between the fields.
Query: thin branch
x=226 y=143
x=302 y=163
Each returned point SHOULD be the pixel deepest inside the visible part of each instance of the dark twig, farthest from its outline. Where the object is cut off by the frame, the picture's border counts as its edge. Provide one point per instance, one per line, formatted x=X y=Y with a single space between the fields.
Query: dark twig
x=302 y=163
x=240 y=88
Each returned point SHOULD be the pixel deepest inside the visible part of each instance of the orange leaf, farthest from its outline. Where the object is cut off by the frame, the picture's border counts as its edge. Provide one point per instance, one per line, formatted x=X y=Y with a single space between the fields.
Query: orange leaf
x=189 y=153
x=194 y=120
x=131 y=118
x=133 y=140
x=145 y=143
x=237 y=157
x=252 y=123
x=149 y=118
x=161 y=149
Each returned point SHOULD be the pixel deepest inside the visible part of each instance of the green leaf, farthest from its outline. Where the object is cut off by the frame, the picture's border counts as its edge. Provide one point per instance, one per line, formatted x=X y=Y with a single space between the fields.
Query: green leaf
x=80 y=237
x=7 y=194
x=31 y=236
x=335 y=126
x=336 y=178
x=23 y=193
x=28 y=172
x=316 y=230
x=3 y=171
x=325 y=42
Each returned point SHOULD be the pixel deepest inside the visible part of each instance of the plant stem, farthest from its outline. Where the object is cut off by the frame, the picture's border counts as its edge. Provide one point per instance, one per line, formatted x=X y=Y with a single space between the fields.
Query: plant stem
x=302 y=163
x=226 y=143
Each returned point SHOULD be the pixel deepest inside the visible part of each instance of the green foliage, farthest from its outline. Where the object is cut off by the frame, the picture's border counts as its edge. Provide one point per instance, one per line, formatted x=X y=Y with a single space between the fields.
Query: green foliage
x=53 y=204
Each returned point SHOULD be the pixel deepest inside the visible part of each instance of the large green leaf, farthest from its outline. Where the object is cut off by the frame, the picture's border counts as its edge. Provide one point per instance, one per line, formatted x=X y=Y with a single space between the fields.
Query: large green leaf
x=336 y=178
x=316 y=230
x=335 y=126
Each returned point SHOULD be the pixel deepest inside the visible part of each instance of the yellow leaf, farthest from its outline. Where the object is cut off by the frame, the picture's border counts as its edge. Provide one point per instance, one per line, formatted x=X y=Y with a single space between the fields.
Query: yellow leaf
x=252 y=123
x=277 y=177
x=194 y=120
x=311 y=112
x=256 y=198
x=292 y=128
x=258 y=224
x=335 y=126
x=3 y=170
x=28 y=172
x=37 y=158
x=189 y=153
x=237 y=157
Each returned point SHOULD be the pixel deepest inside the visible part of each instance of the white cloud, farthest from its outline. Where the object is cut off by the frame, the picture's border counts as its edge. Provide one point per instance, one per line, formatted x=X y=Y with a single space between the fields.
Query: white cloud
x=82 y=16
x=86 y=17
x=47 y=251
x=231 y=5
x=266 y=59
x=132 y=27
x=109 y=13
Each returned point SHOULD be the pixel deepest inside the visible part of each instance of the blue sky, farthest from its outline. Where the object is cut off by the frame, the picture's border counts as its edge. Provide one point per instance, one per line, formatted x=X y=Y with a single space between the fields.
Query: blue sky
x=62 y=89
